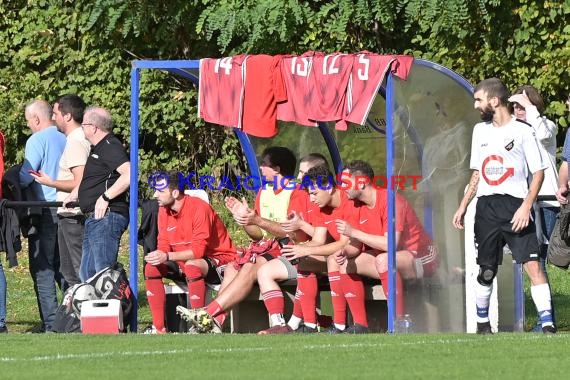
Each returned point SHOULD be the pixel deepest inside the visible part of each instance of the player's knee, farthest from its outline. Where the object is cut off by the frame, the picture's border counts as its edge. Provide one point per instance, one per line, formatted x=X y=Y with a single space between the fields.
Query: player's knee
x=486 y=275
x=264 y=273
x=151 y=272
x=381 y=263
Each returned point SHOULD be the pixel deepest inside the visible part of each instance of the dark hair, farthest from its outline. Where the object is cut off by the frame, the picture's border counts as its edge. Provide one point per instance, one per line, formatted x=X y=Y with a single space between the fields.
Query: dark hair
x=72 y=104
x=533 y=96
x=282 y=157
x=494 y=87
x=360 y=167
x=321 y=176
x=174 y=180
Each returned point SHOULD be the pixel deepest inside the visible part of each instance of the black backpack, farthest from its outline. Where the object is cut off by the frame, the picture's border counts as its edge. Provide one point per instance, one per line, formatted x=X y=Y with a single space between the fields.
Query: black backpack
x=559 y=244
x=109 y=283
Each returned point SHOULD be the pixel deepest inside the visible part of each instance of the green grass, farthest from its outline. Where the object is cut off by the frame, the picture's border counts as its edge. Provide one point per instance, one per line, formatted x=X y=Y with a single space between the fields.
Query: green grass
x=23 y=313
x=135 y=356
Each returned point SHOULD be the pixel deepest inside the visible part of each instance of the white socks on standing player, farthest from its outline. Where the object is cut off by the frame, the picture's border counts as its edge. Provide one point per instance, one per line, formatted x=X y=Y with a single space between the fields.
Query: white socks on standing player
x=541 y=296
x=482 y=298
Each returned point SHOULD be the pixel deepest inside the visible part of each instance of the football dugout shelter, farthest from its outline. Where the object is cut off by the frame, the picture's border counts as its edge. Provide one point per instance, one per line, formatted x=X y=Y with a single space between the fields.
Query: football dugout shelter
x=420 y=126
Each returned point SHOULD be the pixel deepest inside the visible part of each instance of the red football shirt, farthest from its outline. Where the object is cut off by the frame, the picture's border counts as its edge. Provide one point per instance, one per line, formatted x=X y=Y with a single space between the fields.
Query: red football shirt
x=295 y=72
x=375 y=221
x=329 y=79
x=326 y=216
x=402 y=66
x=368 y=71
x=221 y=90
x=264 y=88
x=197 y=227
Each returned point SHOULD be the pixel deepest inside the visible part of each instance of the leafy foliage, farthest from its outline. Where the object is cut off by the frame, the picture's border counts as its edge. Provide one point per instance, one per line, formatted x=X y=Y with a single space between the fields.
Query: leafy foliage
x=49 y=47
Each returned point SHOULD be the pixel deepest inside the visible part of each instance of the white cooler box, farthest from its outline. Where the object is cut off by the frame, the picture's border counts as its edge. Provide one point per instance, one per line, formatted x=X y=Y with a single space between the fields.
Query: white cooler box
x=101 y=317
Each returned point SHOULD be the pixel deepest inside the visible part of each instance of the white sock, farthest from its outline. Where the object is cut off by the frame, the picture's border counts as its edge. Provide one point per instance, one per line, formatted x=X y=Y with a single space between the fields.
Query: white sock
x=311 y=325
x=541 y=296
x=340 y=327
x=277 y=320
x=482 y=298
x=294 y=322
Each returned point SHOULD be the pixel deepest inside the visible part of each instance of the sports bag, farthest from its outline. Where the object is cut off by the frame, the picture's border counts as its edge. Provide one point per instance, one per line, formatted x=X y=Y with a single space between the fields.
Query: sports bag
x=559 y=244
x=108 y=283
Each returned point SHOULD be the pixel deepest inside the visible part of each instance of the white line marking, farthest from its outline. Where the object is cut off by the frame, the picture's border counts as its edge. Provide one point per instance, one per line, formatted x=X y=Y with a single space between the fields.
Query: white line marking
x=93 y=355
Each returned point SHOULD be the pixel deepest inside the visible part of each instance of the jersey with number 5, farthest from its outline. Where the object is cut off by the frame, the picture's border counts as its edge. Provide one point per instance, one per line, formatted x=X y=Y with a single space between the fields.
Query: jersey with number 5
x=368 y=71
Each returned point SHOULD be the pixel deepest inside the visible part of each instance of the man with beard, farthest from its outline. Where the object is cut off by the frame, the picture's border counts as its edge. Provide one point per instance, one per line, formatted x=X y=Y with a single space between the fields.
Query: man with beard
x=503 y=151
x=192 y=235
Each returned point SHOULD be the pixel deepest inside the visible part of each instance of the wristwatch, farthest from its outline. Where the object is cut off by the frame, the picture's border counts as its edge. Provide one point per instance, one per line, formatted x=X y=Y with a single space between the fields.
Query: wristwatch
x=105 y=197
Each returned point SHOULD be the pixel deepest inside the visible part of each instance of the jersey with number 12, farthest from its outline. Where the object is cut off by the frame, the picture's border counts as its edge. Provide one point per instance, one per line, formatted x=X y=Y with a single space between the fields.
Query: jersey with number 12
x=329 y=80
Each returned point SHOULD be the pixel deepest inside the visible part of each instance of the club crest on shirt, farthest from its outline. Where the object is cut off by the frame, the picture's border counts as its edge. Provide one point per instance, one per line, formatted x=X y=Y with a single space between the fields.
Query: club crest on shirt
x=509 y=143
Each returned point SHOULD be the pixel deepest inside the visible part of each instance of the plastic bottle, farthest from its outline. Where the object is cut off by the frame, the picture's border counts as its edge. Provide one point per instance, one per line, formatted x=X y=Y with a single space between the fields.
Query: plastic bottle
x=404 y=324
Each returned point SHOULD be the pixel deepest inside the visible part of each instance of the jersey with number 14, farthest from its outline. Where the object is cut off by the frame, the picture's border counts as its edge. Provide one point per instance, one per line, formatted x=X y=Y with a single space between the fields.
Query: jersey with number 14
x=221 y=90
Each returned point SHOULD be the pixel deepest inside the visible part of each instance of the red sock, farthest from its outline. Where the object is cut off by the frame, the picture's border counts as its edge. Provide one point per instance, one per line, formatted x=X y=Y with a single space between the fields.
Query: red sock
x=220 y=318
x=307 y=289
x=196 y=286
x=297 y=309
x=337 y=298
x=155 y=295
x=217 y=312
x=353 y=290
x=400 y=309
x=274 y=301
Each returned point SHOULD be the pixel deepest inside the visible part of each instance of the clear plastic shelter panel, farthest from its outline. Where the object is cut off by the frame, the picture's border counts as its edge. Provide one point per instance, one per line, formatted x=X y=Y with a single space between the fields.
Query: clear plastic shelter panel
x=365 y=142
x=433 y=119
x=302 y=140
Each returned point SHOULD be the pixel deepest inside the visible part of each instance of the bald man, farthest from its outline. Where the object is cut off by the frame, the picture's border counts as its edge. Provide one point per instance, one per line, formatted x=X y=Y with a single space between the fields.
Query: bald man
x=42 y=154
x=102 y=193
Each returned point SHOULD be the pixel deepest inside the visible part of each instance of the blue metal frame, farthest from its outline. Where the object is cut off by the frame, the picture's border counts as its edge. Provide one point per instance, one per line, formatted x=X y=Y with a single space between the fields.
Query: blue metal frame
x=391 y=296
x=180 y=67
x=331 y=145
x=176 y=67
x=134 y=193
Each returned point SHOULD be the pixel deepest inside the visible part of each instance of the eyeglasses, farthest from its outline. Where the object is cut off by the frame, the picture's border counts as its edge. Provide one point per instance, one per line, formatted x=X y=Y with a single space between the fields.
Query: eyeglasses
x=88 y=124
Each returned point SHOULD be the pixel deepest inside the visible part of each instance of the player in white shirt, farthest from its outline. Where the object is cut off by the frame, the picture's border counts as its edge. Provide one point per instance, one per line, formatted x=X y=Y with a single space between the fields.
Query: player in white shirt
x=503 y=152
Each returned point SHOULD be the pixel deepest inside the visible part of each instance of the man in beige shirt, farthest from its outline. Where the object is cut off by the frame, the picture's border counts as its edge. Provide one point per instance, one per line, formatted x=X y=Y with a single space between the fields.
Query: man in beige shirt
x=68 y=116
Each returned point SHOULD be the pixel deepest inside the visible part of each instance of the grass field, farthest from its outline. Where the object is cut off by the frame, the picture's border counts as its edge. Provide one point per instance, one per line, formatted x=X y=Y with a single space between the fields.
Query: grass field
x=23 y=315
x=135 y=356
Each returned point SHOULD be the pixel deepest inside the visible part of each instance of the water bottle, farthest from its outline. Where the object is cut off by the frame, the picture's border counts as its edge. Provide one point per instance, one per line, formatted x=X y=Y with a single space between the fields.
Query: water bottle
x=404 y=324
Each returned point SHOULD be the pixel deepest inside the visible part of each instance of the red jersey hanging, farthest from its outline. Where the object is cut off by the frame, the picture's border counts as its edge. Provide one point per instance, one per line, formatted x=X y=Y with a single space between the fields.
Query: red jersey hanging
x=264 y=88
x=221 y=90
x=329 y=81
x=368 y=71
x=295 y=71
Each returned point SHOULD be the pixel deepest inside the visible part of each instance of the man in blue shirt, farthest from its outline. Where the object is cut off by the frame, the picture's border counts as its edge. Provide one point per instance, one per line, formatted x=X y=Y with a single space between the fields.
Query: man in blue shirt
x=43 y=151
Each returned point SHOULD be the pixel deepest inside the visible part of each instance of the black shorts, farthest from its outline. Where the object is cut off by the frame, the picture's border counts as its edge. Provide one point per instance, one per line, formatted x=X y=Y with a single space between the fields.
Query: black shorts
x=215 y=274
x=493 y=229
